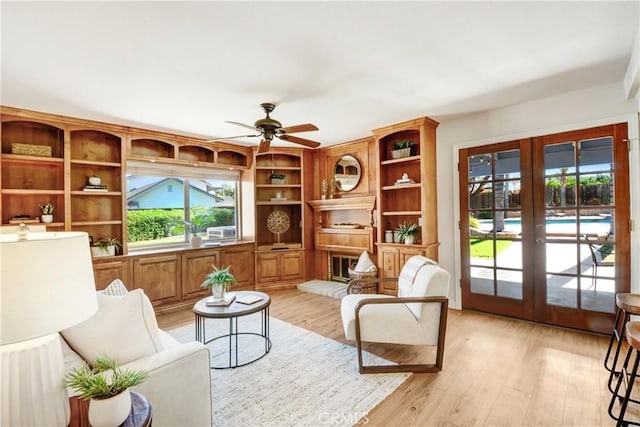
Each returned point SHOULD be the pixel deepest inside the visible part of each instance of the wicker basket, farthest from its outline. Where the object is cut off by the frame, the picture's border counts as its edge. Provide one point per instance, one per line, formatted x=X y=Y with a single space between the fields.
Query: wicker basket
x=31 y=150
x=363 y=276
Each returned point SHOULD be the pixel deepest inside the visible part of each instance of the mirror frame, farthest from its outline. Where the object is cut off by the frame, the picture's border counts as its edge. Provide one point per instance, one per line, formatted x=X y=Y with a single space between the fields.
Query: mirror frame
x=351 y=160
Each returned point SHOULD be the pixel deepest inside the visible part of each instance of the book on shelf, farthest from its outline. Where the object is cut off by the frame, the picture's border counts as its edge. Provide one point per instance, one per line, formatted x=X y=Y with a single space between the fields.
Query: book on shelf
x=249 y=299
x=98 y=186
x=97 y=190
x=227 y=301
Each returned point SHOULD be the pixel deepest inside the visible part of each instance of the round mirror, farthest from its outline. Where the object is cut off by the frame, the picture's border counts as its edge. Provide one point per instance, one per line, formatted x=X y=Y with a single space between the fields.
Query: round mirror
x=346 y=173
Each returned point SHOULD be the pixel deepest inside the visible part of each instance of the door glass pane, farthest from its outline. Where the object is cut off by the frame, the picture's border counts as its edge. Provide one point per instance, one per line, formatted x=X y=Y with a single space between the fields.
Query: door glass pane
x=481 y=224
x=561 y=258
x=482 y=281
x=596 y=189
x=482 y=251
x=561 y=290
x=509 y=284
x=512 y=187
x=560 y=175
x=480 y=167
x=509 y=253
x=595 y=154
x=598 y=296
x=480 y=195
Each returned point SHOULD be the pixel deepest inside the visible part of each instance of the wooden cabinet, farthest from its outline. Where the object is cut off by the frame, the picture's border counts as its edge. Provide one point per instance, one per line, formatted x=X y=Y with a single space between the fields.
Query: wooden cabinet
x=280 y=218
x=241 y=260
x=406 y=198
x=195 y=266
x=36 y=176
x=392 y=258
x=106 y=271
x=159 y=277
x=277 y=270
x=96 y=211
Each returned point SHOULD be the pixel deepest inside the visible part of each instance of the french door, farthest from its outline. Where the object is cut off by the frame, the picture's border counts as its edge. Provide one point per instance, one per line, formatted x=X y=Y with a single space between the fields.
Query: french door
x=545 y=227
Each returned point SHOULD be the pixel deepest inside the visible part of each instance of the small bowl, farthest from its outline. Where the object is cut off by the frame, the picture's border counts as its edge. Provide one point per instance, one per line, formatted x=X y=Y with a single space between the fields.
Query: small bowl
x=94 y=180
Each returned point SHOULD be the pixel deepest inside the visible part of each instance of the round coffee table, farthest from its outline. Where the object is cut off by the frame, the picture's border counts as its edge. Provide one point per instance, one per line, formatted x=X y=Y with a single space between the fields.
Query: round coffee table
x=232 y=312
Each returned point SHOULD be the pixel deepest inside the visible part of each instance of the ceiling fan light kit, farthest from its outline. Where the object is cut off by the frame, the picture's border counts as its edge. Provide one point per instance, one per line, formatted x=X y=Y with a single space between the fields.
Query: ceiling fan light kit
x=268 y=128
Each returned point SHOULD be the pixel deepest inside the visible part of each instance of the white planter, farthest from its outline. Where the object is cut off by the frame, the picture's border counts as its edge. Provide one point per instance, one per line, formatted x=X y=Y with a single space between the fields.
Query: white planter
x=400 y=153
x=46 y=218
x=196 y=241
x=277 y=181
x=95 y=180
x=110 y=412
x=218 y=292
x=97 y=251
x=409 y=240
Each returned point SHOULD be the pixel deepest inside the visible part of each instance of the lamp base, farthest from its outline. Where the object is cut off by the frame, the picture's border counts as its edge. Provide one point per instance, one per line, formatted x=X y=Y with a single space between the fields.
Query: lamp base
x=31 y=381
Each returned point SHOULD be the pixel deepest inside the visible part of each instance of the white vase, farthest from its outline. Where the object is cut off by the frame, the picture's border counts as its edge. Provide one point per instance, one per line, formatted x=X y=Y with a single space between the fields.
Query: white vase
x=110 y=412
x=97 y=251
x=409 y=240
x=196 y=241
x=46 y=218
x=95 y=180
x=218 y=291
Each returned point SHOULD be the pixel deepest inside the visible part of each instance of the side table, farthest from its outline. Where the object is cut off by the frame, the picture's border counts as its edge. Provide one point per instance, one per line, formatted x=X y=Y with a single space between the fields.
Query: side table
x=140 y=415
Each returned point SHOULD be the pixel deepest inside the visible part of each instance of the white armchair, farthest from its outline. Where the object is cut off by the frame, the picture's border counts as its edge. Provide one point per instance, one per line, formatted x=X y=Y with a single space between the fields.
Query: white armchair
x=125 y=328
x=418 y=316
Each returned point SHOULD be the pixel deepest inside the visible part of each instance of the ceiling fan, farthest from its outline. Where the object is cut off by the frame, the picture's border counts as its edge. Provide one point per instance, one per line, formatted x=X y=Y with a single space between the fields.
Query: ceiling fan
x=269 y=128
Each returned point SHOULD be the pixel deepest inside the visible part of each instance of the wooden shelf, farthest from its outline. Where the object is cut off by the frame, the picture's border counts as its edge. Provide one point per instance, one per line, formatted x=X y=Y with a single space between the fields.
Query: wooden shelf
x=85 y=223
x=96 y=193
x=347 y=203
x=401 y=186
x=281 y=168
x=95 y=163
x=401 y=160
x=22 y=192
x=402 y=213
x=282 y=202
x=19 y=158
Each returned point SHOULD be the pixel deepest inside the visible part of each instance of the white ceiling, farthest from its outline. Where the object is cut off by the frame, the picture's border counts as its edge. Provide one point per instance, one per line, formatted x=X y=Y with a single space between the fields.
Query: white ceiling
x=347 y=67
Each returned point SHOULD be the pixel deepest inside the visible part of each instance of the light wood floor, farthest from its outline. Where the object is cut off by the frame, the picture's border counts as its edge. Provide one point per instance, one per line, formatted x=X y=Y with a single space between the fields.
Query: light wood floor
x=497 y=371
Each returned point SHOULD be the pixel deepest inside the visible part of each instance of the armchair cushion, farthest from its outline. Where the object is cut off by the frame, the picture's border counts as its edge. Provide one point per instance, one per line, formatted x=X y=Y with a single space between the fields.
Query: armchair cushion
x=124 y=328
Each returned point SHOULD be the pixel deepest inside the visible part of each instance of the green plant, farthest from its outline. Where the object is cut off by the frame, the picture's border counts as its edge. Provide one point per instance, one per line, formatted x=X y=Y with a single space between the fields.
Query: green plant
x=46 y=209
x=198 y=223
x=104 y=380
x=403 y=143
x=277 y=176
x=407 y=229
x=220 y=276
x=105 y=242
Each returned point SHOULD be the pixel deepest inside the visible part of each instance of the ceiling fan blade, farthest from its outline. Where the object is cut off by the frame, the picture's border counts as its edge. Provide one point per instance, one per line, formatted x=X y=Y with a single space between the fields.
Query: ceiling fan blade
x=243 y=125
x=302 y=141
x=264 y=146
x=231 y=137
x=307 y=127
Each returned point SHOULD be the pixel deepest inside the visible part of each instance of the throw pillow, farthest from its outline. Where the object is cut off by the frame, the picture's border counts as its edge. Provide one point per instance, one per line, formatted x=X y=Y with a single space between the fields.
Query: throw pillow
x=364 y=263
x=115 y=288
x=124 y=328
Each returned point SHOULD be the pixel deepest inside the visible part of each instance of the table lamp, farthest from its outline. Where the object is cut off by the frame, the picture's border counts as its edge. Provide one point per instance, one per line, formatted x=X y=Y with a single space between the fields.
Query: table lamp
x=46 y=285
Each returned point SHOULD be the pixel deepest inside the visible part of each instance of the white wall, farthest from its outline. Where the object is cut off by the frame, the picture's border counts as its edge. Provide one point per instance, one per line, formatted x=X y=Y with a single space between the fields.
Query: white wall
x=568 y=111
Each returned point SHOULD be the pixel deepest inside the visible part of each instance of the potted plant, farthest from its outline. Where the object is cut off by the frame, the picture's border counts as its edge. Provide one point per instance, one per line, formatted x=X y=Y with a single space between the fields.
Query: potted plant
x=408 y=232
x=107 y=246
x=219 y=282
x=277 y=178
x=47 y=212
x=402 y=148
x=197 y=224
x=106 y=386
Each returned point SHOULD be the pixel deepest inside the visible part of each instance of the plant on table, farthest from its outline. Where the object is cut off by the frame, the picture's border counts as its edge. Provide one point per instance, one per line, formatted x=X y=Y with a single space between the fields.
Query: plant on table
x=219 y=281
x=47 y=209
x=107 y=242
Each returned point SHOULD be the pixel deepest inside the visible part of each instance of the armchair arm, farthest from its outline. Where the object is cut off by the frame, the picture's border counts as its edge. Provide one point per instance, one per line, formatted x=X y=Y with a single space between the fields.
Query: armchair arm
x=367 y=285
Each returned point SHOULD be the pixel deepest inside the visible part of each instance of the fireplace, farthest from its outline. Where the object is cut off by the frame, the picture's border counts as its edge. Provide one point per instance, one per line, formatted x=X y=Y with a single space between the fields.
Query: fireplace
x=339 y=266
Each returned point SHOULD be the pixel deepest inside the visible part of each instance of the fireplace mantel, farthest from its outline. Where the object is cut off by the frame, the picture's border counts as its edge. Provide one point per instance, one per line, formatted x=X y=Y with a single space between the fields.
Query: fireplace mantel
x=344 y=224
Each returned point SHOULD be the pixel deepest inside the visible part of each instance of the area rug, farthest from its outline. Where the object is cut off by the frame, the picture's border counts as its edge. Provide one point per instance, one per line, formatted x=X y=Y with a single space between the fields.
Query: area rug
x=305 y=380
x=335 y=290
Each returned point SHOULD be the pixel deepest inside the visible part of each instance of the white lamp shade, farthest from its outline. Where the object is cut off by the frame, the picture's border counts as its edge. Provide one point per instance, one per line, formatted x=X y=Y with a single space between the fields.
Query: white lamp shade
x=46 y=284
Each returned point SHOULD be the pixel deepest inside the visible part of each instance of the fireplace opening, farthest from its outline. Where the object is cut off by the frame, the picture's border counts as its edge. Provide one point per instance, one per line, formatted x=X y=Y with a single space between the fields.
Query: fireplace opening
x=339 y=267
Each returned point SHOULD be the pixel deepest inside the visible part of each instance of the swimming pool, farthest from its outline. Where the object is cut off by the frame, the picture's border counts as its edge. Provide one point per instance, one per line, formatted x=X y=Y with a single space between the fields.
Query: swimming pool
x=588 y=224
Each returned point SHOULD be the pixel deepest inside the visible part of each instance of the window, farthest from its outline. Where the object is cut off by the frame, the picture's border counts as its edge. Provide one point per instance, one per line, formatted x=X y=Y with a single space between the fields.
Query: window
x=167 y=205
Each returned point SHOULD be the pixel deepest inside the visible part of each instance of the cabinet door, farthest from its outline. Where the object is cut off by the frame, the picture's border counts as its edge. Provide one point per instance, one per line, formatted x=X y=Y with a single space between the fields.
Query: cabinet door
x=406 y=253
x=267 y=267
x=241 y=260
x=159 y=277
x=107 y=272
x=292 y=265
x=389 y=257
x=195 y=266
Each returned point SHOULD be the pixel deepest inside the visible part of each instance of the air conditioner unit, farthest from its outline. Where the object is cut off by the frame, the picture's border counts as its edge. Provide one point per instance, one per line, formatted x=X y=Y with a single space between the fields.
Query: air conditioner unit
x=224 y=232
